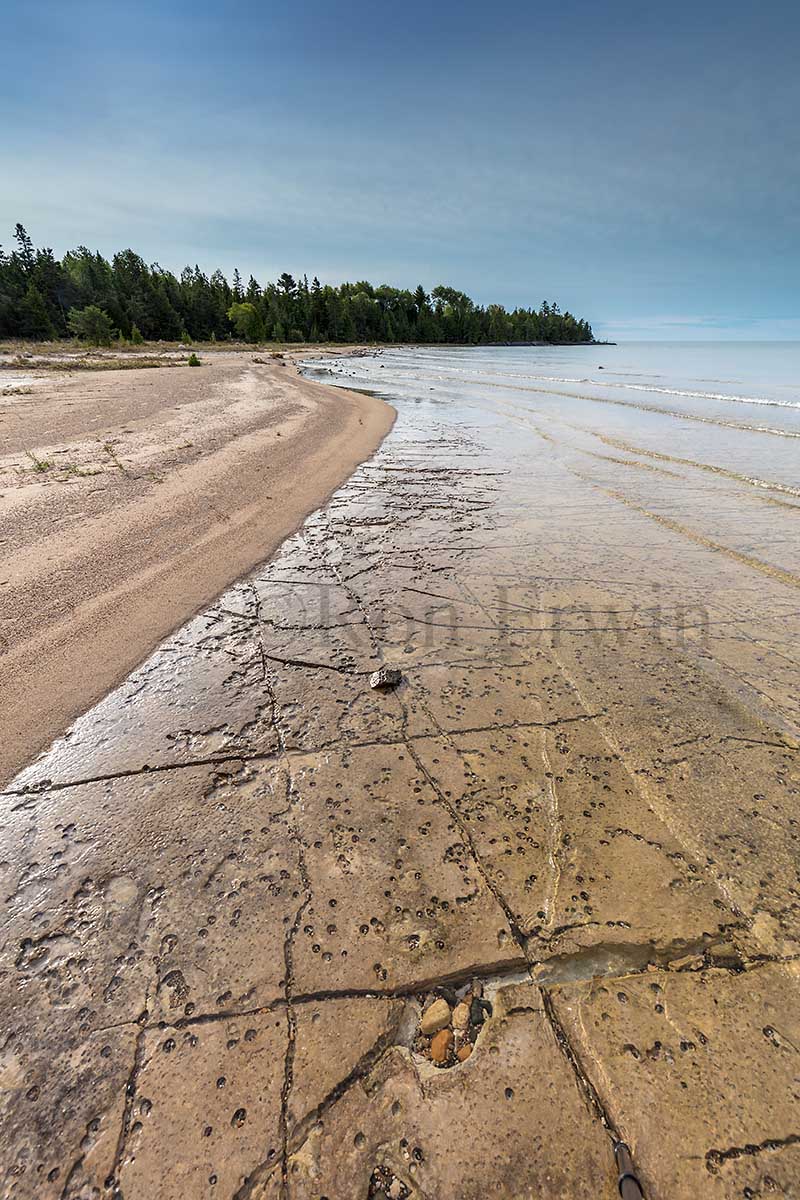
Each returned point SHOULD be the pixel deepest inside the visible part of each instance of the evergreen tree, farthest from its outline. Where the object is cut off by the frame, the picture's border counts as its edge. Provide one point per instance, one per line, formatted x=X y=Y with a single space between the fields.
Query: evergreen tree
x=24 y=247
x=33 y=317
x=91 y=325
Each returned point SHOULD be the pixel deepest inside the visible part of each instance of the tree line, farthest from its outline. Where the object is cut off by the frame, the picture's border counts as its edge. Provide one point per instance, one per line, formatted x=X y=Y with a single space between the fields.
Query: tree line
x=84 y=295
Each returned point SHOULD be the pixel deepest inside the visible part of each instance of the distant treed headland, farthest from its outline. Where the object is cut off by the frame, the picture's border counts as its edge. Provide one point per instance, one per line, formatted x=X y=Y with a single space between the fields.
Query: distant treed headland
x=83 y=295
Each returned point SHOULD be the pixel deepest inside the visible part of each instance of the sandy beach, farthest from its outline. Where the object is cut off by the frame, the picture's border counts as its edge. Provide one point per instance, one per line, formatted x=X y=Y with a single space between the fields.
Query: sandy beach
x=156 y=488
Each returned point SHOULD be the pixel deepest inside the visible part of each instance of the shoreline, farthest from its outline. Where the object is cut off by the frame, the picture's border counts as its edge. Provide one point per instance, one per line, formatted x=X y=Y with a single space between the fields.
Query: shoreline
x=142 y=515
x=18 y=348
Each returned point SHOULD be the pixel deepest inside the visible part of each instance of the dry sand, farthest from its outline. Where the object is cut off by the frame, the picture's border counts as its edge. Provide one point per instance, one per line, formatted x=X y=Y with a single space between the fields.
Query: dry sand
x=165 y=486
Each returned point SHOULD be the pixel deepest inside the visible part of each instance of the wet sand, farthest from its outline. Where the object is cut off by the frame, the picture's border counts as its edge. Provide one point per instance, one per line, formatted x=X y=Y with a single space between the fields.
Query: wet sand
x=235 y=886
x=164 y=486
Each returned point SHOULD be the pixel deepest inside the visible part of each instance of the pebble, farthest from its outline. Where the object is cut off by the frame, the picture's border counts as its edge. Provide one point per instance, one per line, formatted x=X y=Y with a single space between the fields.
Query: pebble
x=461 y=1015
x=463 y=1052
x=435 y=1017
x=385 y=677
x=692 y=962
x=724 y=953
x=479 y=1010
x=440 y=1045
x=449 y=995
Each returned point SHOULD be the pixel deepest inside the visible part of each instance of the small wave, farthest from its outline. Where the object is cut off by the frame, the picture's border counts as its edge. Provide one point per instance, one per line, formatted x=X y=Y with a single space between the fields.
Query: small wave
x=660 y=389
x=480 y=377
x=724 y=396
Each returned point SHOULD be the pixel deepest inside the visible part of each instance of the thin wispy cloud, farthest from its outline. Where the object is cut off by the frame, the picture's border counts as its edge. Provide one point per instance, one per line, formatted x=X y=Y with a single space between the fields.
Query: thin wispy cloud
x=630 y=163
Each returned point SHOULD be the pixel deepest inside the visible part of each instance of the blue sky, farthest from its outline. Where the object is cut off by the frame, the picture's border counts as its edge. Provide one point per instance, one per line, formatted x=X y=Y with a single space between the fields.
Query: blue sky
x=638 y=163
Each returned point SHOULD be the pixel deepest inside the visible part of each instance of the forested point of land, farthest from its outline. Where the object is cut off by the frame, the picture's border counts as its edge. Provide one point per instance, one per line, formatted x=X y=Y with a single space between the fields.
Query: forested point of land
x=84 y=295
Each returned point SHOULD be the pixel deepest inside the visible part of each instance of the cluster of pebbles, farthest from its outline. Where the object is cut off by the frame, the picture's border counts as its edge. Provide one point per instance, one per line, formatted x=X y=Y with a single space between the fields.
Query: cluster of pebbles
x=384 y=1185
x=450 y=1024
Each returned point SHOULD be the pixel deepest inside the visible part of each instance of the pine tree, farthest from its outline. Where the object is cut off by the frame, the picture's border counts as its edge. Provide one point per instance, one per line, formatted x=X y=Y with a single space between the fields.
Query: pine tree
x=24 y=247
x=34 y=319
x=91 y=325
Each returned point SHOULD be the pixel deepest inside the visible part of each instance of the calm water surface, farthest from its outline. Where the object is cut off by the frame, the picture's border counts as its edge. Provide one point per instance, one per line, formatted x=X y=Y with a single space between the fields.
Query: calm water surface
x=672 y=468
x=734 y=406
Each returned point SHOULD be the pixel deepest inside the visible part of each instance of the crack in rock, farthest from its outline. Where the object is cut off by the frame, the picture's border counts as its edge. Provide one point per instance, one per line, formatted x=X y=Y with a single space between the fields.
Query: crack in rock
x=717 y=1158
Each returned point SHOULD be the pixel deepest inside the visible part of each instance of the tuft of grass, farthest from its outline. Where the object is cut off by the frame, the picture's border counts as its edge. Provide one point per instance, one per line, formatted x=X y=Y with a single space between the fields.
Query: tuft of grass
x=193 y=360
x=112 y=454
x=40 y=465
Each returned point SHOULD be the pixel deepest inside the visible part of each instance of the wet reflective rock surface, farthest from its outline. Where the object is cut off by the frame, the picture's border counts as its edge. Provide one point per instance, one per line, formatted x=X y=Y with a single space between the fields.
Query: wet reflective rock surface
x=231 y=890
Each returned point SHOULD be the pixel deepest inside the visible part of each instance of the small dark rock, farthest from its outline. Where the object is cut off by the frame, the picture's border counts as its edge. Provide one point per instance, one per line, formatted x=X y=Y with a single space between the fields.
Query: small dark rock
x=479 y=1010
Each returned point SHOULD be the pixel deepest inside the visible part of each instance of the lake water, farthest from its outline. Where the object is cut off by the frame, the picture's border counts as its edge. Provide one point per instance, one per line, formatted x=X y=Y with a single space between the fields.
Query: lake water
x=669 y=469
x=735 y=406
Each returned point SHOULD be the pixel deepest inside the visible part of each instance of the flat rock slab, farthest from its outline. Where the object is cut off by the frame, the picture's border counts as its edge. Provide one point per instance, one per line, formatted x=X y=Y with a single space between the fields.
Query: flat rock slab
x=563 y=830
x=727 y=784
x=207 y=1110
x=317 y=709
x=491 y=695
x=231 y=1091
x=700 y=1073
x=61 y=1107
x=202 y=695
x=395 y=897
x=336 y=1043
x=159 y=892
x=523 y=1126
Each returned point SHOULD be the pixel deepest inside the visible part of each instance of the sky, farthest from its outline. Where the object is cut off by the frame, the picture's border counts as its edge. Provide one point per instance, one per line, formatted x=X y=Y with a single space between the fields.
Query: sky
x=637 y=163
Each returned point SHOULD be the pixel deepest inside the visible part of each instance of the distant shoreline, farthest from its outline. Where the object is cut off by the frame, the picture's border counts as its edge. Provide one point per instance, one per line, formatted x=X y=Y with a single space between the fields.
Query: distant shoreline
x=22 y=347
